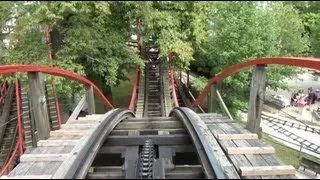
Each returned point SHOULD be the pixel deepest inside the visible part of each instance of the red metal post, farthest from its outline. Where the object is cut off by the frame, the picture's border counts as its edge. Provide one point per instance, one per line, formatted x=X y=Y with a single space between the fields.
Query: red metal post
x=134 y=89
x=20 y=129
x=174 y=95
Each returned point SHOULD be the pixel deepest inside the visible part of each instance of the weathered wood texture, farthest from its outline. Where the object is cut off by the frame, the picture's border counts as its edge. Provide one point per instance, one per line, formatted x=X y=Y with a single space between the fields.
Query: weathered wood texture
x=219 y=125
x=45 y=160
x=225 y=164
x=39 y=108
x=211 y=99
x=90 y=100
x=256 y=99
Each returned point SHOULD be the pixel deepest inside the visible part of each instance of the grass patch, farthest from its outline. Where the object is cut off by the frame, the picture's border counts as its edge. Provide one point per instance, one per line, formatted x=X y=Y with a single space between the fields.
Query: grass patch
x=287 y=155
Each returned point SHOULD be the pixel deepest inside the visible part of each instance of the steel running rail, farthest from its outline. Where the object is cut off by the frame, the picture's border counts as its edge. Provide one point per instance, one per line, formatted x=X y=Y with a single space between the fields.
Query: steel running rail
x=19 y=145
x=211 y=166
x=76 y=167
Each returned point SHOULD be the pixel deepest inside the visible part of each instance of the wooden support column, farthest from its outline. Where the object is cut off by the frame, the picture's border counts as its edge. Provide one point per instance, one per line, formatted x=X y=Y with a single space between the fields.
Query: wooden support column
x=211 y=99
x=39 y=105
x=188 y=79
x=90 y=100
x=256 y=99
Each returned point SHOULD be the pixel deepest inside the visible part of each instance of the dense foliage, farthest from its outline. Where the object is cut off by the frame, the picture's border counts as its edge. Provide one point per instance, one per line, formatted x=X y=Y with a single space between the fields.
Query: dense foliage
x=90 y=38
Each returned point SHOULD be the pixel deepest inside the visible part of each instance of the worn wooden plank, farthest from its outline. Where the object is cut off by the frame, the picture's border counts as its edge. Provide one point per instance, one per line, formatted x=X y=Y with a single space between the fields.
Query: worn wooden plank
x=39 y=104
x=74 y=137
x=237 y=136
x=27 y=177
x=237 y=160
x=120 y=149
x=84 y=121
x=147 y=125
x=222 y=159
x=256 y=159
x=53 y=168
x=43 y=157
x=20 y=169
x=250 y=150
x=267 y=170
x=57 y=142
x=38 y=167
x=68 y=133
x=140 y=140
x=149 y=131
x=150 y=119
x=76 y=126
x=269 y=158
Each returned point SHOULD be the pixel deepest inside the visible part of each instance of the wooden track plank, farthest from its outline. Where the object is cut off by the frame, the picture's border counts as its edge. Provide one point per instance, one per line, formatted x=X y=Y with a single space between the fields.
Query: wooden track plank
x=148 y=125
x=43 y=157
x=84 y=121
x=74 y=137
x=68 y=133
x=254 y=159
x=76 y=126
x=21 y=169
x=38 y=168
x=27 y=177
x=237 y=160
x=267 y=170
x=270 y=159
x=250 y=150
x=53 y=167
x=227 y=166
x=57 y=142
x=237 y=136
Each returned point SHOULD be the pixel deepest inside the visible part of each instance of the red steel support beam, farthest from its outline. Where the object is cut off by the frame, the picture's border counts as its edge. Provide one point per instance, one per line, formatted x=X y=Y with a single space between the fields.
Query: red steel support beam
x=312 y=63
x=10 y=69
x=134 y=89
x=174 y=94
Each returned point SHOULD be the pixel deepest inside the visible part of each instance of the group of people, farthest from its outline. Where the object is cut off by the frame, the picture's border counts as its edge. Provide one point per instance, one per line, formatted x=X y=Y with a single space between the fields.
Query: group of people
x=301 y=99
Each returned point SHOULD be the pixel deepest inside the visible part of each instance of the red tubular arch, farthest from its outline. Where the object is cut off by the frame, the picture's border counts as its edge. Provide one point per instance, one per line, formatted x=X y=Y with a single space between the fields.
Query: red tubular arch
x=312 y=63
x=10 y=69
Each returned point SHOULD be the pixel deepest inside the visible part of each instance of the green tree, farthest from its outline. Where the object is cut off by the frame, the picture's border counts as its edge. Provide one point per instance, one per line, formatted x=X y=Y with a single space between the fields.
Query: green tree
x=239 y=31
x=87 y=38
